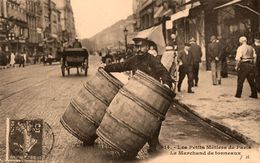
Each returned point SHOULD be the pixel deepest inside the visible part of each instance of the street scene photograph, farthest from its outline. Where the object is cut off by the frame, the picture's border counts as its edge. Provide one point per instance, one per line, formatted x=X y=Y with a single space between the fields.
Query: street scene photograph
x=153 y=81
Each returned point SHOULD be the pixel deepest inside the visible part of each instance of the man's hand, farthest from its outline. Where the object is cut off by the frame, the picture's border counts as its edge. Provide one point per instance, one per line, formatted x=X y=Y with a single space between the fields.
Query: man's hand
x=216 y=58
x=237 y=68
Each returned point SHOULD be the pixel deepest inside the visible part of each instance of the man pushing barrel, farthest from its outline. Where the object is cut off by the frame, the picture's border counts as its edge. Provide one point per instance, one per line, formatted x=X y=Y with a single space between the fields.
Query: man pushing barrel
x=149 y=64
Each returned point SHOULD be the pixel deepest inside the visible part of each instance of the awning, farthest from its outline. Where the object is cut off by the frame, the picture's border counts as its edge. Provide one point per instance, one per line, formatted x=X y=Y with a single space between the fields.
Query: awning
x=154 y=34
x=248 y=8
x=227 y=4
x=185 y=13
x=180 y=14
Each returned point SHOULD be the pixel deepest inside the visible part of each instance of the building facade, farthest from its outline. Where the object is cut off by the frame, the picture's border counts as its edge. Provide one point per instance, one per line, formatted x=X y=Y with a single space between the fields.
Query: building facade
x=67 y=20
x=35 y=25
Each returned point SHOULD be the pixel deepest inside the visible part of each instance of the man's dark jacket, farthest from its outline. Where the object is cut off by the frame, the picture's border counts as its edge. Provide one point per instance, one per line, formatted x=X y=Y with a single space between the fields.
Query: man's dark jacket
x=257 y=51
x=146 y=63
x=214 y=51
x=196 y=52
x=187 y=60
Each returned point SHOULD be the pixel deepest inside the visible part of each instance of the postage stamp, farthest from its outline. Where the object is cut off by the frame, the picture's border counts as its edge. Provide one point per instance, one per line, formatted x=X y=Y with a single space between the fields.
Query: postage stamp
x=28 y=139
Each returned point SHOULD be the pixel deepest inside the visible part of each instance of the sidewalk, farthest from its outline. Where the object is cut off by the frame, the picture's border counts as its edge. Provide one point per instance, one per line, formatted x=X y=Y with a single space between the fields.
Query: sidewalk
x=217 y=105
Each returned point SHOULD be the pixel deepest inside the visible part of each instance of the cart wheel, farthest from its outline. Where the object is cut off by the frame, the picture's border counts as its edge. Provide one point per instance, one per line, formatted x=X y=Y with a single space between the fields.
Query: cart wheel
x=77 y=71
x=63 y=70
x=86 y=67
x=68 y=70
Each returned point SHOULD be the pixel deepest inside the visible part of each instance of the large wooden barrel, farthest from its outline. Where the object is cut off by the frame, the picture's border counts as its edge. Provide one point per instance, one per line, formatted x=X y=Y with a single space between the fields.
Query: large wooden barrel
x=86 y=110
x=134 y=114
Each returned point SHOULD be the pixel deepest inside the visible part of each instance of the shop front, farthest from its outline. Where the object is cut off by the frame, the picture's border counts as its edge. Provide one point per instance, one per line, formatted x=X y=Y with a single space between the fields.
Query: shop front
x=234 y=20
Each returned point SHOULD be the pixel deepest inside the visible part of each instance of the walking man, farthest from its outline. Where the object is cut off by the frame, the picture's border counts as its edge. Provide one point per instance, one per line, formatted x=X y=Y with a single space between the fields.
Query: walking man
x=245 y=67
x=214 y=51
x=224 y=68
x=151 y=66
x=256 y=46
x=197 y=54
x=185 y=60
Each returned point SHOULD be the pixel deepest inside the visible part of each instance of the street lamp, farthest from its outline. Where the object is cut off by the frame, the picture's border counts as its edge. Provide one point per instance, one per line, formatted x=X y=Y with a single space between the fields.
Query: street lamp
x=125 y=33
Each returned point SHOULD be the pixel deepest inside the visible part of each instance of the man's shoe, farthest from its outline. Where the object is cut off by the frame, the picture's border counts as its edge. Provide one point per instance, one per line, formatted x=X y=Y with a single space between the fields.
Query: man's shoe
x=179 y=89
x=191 y=92
x=253 y=96
x=219 y=82
x=237 y=96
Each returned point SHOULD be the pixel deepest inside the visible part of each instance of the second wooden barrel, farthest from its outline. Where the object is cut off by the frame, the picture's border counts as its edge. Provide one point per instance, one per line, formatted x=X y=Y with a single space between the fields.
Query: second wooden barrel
x=86 y=110
x=134 y=114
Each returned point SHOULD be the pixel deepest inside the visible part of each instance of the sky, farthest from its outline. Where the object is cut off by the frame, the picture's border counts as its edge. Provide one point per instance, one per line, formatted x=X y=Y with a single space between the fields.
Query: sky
x=92 y=16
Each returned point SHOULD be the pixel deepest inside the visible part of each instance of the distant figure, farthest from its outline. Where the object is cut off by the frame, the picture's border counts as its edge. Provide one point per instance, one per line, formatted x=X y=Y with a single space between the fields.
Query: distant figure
x=76 y=43
x=107 y=58
x=12 y=59
x=24 y=55
x=185 y=60
x=224 y=68
x=245 y=67
x=197 y=54
x=215 y=60
x=256 y=46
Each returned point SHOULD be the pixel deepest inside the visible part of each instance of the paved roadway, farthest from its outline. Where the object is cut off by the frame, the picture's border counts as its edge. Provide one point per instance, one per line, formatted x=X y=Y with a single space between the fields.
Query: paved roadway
x=38 y=91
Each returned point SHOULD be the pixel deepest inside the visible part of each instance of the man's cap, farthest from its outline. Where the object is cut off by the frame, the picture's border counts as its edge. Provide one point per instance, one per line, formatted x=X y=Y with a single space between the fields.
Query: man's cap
x=242 y=39
x=142 y=41
x=212 y=38
x=192 y=39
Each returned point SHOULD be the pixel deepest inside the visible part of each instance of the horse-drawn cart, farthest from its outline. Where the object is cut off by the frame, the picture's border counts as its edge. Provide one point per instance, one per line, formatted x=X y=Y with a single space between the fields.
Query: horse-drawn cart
x=74 y=58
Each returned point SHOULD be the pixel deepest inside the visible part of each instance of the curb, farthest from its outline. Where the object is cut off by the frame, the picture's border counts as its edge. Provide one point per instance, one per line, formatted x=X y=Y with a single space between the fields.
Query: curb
x=228 y=131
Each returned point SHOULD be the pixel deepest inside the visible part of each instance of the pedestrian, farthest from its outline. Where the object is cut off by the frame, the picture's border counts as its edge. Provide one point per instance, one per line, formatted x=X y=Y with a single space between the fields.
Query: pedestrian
x=35 y=57
x=21 y=60
x=215 y=60
x=256 y=46
x=197 y=54
x=107 y=58
x=245 y=66
x=76 y=43
x=151 y=66
x=223 y=54
x=1 y=57
x=185 y=60
x=24 y=55
x=12 y=59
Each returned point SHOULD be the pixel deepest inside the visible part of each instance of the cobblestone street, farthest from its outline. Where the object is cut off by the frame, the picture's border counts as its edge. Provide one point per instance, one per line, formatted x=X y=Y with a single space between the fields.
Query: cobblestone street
x=38 y=91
